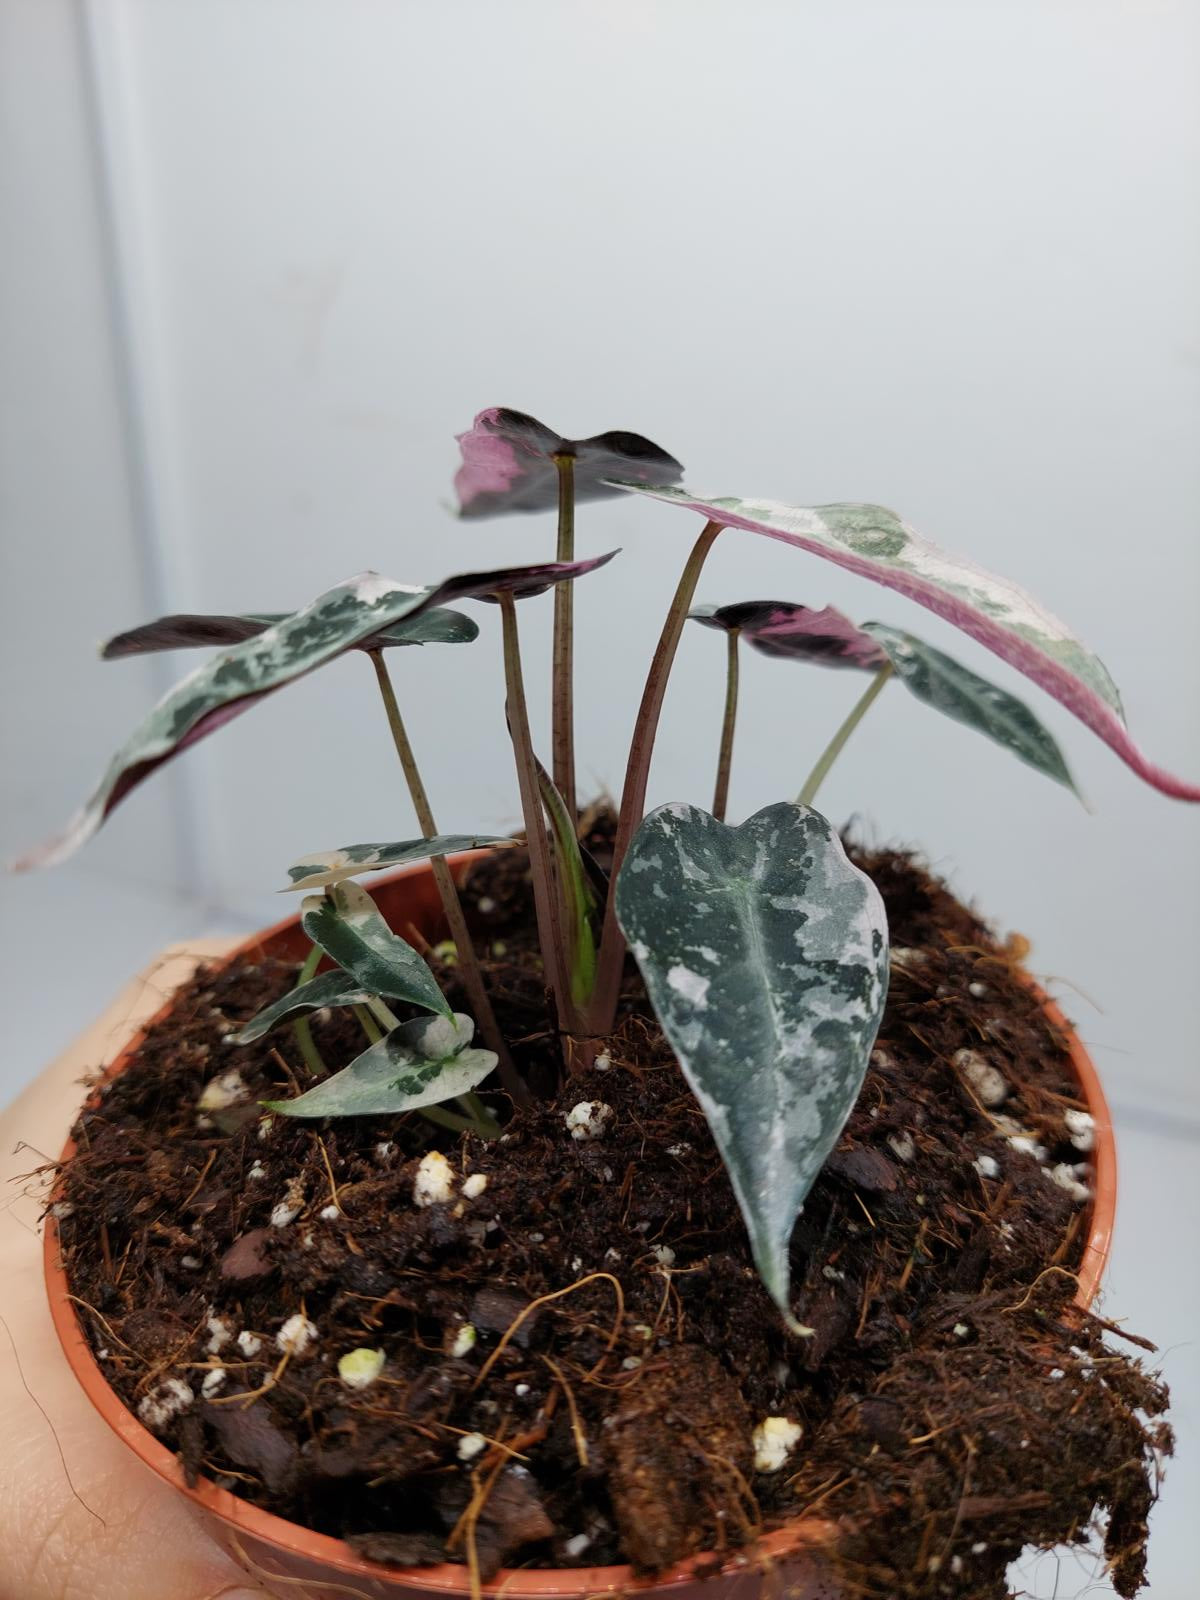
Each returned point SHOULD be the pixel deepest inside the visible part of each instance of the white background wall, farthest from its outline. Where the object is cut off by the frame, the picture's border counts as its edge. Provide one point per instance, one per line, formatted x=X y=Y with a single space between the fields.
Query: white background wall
x=262 y=258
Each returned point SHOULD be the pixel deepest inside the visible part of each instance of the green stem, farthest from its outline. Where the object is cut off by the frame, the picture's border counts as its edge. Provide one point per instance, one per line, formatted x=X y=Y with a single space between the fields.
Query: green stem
x=728 y=725
x=834 y=748
x=301 y=1028
x=563 y=707
x=485 y=1123
x=468 y=961
x=367 y=1023
x=637 y=776
x=451 y=1119
x=382 y=1013
x=541 y=867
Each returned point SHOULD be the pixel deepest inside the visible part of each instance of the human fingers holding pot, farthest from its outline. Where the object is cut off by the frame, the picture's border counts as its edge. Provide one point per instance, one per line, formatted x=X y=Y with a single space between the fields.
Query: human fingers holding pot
x=80 y=1517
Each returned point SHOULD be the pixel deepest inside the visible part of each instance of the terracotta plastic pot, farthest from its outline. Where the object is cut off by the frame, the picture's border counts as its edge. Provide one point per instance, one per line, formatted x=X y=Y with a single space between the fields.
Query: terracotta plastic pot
x=319 y=1567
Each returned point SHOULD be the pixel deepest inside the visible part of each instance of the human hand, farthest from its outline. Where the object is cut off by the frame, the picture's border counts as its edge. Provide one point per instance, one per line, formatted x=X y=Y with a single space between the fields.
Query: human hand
x=81 y=1518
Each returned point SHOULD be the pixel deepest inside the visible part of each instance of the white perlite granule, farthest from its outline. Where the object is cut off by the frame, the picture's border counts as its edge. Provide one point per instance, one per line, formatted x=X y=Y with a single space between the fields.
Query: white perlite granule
x=225 y=1090
x=774 y=1440
x=297 y=1333
x=987 y=1081
x=434 y=1182
x=587 y=1119
x=292 y=1204
x=166 y=1400
x=1081 y=1129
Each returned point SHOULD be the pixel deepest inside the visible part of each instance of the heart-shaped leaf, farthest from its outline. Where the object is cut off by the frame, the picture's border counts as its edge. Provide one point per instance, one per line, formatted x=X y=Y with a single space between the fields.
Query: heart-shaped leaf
x=508 y=464
x=184 y=630
x=949 y=687
x=332 y=866
x=349 y=927
x=417 y=1064
x=764 y=952
x=330 y=989
x=876 y=543
x=231 y=682
x=778 y=628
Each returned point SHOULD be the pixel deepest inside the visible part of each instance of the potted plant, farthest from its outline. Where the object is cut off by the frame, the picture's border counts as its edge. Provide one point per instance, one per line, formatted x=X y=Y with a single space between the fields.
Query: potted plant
x=586 y=1211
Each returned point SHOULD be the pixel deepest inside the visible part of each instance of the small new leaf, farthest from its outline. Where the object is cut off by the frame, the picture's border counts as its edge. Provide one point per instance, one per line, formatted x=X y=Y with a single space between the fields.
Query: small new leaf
x=949 y=687
x=332 y=866
x=348 y=926
x=330 y=989
x=508 y=464
x=764 y=952
x=796 y=633
x=418 y=1064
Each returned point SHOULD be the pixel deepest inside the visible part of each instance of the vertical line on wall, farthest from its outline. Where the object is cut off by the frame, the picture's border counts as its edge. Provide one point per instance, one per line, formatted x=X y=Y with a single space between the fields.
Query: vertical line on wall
x=102 y=29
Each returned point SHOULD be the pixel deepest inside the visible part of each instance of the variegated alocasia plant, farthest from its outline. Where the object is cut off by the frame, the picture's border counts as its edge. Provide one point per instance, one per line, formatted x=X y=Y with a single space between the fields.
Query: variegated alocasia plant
x=763 y=949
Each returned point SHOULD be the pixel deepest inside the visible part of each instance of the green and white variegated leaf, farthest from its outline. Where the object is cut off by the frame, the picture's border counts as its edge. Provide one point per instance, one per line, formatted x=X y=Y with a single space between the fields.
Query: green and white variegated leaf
x=949 y=687
x=764 y=951
x=341 y=619
x=186 y=630
x=330 y=989
x=877 y=544
x=418 y=1064
x=349 y=927
x=332 y=866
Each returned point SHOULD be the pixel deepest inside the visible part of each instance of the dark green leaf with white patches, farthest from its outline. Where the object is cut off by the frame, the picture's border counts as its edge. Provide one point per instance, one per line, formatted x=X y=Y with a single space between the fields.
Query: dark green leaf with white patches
x=349 y=927
x=330 y=989
x=332 y=866
x=188 y=630
x=342 y=619
x=949 y=687
x=764 y=951
x=418 y=1064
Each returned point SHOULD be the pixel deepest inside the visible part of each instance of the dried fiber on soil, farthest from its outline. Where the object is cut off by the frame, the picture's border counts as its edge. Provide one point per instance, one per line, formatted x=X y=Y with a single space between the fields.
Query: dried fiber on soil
x=623 y=1350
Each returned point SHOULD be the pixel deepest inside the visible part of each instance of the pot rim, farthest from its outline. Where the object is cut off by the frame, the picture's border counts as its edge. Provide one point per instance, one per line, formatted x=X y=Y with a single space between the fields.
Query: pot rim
x=516 y=1583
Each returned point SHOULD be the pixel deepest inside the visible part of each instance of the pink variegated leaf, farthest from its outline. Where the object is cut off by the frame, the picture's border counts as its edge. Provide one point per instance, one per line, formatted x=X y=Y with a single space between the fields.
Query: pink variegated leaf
x=508 y=464
x=875 y=543
x=230 y=682
x=797 y=633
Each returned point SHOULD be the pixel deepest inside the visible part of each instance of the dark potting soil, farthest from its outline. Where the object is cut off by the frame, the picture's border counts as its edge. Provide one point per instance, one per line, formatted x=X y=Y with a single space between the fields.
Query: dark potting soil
x=576 y=1348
